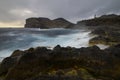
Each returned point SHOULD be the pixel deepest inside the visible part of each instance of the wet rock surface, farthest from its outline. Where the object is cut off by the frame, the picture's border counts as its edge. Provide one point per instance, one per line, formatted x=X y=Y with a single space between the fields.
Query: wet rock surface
x=62 y=63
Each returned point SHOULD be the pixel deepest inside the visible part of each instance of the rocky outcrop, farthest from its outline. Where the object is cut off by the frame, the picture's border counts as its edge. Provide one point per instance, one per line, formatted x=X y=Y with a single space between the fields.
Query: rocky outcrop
x=63 y=63
x=104 y=20
x=108 y=35
x=46 y=23
x=106 y=27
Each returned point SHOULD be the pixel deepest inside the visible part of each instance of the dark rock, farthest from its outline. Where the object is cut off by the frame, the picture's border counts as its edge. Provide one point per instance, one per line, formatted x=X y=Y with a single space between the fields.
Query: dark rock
x=63 y=62
x=97 y=24
x=107 y=35
x=46 y=23
x=37 y=22
x=118 y=46
x=104 y=20
x=109 y=16
x=99 y=31
x=56 y=78
x=57 y=48
x=6 y=64
x=99 y=40
x=17 y=53
x=114 y=50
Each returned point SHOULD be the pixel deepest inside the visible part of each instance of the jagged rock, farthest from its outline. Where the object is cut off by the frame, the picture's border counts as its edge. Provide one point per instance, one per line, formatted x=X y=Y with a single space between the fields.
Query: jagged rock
x=46 y=23
x=80 y=63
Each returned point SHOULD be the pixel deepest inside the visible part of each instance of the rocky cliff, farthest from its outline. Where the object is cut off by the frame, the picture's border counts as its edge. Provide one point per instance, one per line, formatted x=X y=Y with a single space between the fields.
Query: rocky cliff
x=106 y=27
x=47 y=23
x=104 y=20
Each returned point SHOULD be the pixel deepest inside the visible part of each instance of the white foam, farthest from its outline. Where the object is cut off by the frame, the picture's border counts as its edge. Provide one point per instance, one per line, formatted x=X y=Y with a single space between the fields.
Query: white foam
x=102 y=46
x=5 y=53
x=75 y=40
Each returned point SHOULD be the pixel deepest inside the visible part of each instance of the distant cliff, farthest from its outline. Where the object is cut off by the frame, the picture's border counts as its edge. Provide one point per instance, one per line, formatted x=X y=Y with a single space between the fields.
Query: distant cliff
x=104 y=20
x=47 y=23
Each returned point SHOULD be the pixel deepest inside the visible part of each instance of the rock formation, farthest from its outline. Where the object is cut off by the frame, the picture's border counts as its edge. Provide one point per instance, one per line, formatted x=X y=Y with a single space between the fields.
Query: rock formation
x=62 y=63
x=106 y=27
x=104 y=20
x=46 y=23
x=108 y=35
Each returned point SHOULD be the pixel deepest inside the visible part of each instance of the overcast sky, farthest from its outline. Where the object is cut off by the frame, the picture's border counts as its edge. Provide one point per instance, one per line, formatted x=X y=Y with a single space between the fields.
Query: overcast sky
x=14 y=12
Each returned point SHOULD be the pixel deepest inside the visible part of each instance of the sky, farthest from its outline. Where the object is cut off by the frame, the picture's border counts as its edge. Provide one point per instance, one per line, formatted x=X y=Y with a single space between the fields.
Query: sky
x=14 y=12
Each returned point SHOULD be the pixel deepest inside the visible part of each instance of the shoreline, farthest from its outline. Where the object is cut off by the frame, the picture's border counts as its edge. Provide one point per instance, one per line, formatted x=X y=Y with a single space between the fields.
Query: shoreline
x=65 y=61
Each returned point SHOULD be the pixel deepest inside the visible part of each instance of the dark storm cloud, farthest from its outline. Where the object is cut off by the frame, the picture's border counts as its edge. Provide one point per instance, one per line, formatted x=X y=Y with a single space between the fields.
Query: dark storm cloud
x=17 y=10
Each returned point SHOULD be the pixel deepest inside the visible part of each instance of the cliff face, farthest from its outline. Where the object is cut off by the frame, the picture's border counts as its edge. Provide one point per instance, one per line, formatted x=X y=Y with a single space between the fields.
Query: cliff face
x=46 y=23
x=104 y=20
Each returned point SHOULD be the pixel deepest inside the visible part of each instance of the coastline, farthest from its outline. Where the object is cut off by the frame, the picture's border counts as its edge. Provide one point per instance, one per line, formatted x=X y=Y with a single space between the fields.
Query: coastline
x=66 y=62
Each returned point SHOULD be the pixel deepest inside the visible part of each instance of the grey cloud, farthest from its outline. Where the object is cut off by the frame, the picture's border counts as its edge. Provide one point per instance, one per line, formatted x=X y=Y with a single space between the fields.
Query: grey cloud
x=112 y=7
x=19 y=10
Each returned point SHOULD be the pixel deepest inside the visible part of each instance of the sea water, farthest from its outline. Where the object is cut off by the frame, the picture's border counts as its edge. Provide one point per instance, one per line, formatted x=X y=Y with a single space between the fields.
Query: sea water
x=23 y=38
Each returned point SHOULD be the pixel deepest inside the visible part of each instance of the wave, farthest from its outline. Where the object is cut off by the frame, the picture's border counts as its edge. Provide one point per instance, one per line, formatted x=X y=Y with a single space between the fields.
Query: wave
x=13 y=39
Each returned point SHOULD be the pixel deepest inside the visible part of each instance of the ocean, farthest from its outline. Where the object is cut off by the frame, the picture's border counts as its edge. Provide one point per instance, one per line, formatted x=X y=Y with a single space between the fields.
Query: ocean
x=23 y=38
